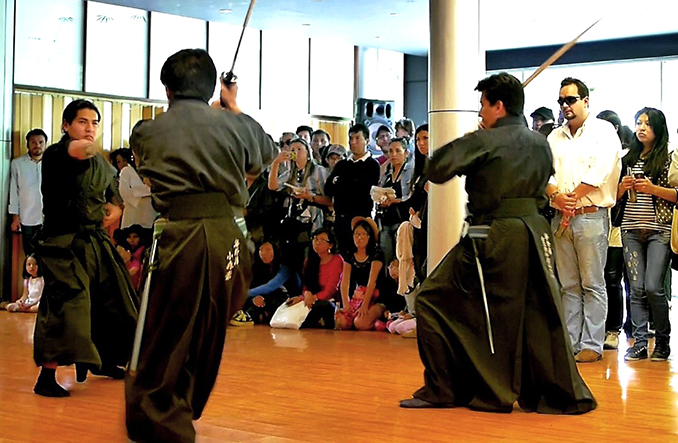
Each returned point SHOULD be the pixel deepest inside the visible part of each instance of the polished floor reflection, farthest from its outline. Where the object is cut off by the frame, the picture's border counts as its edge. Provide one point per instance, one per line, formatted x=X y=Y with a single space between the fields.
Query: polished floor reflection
x=327 y=386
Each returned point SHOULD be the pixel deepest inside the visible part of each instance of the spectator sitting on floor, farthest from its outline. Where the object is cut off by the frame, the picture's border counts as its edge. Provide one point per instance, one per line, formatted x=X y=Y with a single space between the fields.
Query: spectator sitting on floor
x=322 y=275
x=272 y=282
x=33 y=285
x=359 y=283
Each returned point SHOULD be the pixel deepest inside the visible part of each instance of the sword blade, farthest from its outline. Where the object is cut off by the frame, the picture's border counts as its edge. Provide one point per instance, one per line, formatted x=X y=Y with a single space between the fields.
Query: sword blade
x=242 y=33
x=556 y=55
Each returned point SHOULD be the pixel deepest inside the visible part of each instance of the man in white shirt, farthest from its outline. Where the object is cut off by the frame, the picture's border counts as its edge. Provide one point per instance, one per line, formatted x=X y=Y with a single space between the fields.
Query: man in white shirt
x=586 y=158
x=25 y=198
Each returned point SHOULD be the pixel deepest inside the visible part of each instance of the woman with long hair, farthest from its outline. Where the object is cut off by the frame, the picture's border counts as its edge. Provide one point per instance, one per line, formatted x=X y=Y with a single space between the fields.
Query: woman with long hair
x=321 y=278
x=646 y=202
x=305 y=183
x=272 y=283
x=360 y=280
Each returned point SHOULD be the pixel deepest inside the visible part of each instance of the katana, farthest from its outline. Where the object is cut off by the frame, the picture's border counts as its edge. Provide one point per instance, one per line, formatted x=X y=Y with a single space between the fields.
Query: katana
x=229 y=77
x=556 y=55
x=158 y=227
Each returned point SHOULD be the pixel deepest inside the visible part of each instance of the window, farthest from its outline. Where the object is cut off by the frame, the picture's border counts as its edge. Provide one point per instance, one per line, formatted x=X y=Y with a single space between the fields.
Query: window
x=117 y=50
x=48 y=43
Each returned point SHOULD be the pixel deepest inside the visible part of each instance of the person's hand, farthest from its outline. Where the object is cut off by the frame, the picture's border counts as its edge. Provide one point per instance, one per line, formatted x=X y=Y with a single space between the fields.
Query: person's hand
x=228 y=97
x=306 y=195
x=644 y=185
x=309 y=299
x=147 y=182
x=388 y=202
x=293 y=301
x=113 y=214
x=258 y=301
x=282 y=157
x=124 y=253
x=565 y=202
x=363 y=310
x=16 y=223
x=82 y=149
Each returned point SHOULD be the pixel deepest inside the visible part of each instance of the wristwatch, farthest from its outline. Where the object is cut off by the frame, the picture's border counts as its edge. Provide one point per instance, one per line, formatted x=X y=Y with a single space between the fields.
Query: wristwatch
x=552 y=197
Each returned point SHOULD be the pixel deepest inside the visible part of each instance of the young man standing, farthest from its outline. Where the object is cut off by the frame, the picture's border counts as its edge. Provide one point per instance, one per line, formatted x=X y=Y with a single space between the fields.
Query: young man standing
x=350 y=183
x=25 y=197
x=489 y=320
x=88 y=309
x=196 y=158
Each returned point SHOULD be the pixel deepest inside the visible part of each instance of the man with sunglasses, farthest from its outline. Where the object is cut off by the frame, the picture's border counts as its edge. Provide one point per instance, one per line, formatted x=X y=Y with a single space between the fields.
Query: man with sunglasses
x=586 y=158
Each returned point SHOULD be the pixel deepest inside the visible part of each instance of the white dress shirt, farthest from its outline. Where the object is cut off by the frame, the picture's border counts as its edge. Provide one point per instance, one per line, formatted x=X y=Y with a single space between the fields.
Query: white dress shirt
x=25 y=196
x=591 y=156
x=137 y=197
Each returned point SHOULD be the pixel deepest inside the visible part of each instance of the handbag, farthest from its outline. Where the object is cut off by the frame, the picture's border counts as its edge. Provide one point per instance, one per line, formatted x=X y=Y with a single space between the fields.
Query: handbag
x=674 y=230
x=289 y=317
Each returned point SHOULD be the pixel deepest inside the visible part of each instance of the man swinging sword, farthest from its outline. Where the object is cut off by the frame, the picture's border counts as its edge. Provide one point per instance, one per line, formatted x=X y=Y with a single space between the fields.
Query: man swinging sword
x=196 y=158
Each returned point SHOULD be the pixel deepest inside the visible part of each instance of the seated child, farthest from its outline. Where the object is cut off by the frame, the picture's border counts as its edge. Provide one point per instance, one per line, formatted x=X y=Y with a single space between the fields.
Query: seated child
x=33 y=285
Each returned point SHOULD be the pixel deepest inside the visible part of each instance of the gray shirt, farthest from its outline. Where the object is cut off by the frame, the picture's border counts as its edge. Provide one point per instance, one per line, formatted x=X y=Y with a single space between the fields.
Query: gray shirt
x=193 y=148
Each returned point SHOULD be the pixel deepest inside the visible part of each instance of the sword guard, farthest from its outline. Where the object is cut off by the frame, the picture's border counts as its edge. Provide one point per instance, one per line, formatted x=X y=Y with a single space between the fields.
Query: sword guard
x=229 y=78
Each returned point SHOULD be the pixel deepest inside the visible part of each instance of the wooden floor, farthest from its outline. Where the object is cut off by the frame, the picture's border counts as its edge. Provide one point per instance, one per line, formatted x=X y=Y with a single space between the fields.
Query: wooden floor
x=281 y=386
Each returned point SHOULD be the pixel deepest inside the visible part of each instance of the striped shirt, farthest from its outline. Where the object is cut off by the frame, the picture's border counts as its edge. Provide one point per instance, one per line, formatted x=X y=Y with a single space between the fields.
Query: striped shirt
x=641 y=214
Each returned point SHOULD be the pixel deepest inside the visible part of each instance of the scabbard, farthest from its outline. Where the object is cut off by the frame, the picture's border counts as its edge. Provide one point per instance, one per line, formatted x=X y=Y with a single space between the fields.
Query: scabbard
x=158 y=227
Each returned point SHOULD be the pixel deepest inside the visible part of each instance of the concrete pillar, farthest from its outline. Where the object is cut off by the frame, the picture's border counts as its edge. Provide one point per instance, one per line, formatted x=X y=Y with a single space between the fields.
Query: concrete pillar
x=6 y=80
x=456 y=64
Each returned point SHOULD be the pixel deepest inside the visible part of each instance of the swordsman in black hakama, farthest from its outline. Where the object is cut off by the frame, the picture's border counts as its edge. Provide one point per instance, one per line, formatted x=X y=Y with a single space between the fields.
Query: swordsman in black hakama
x=489 y=317
x=195 y=158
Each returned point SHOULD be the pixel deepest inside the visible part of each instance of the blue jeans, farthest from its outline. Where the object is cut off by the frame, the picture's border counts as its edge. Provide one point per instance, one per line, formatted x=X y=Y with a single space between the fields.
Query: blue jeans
x=580 y=259
x=646 y=254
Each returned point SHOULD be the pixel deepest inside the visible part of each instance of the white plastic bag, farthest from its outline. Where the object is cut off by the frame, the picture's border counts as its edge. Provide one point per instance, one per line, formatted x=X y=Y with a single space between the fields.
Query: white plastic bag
x=290 y=317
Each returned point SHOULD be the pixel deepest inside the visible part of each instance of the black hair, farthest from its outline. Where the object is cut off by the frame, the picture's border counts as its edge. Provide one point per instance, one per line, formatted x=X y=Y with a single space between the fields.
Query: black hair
x=34 y=132
x=612 y=117
x=372 y=244
x=25 y=273
x=655 y=162
x=582 y=89
x=144 y=234
x=190 y=73
x=312 y=268
x=71 y=110
x=262 y=273
x=359 y=127
x=506 y=88
x=419 y=158
x=125 y=153
x=403 y=141
x=303 y=128
x=321 y=132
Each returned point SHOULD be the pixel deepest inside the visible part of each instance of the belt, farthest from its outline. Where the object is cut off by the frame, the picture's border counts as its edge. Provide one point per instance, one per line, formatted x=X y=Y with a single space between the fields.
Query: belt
x=586 y=210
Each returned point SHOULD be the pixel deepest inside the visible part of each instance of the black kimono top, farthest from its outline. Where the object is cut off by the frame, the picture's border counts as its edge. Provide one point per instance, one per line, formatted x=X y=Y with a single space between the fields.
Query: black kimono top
x=507 y=161
x=193 y=149
x=74 y=191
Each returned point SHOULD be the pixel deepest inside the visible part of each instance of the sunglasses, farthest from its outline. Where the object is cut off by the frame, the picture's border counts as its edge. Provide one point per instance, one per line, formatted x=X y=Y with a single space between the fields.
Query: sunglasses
x=286 y=143
x=570 y=100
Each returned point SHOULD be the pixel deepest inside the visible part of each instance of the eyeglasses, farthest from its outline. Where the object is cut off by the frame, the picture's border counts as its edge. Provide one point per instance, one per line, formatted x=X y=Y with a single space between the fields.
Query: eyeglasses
x=360 y=235
x=570 y=100
x=320 y=240
x=286 y=142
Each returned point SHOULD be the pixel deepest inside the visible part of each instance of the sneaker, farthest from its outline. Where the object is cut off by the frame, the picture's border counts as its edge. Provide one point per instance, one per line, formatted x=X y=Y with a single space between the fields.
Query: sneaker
x=241 y=318
x=611 y=340
x=661 y=352
x=636 y=353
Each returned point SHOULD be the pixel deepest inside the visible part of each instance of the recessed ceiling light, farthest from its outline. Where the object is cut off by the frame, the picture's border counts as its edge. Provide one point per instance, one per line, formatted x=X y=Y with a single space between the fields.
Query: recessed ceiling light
x=393 y=14
x=226 y=11
x=379 y=37
x=306 y=24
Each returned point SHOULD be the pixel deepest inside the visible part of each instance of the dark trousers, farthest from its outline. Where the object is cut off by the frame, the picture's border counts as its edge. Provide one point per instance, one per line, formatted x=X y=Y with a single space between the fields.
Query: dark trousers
x=202 y=277
x=321 y=315
x=614 y=270
x=29 y=238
